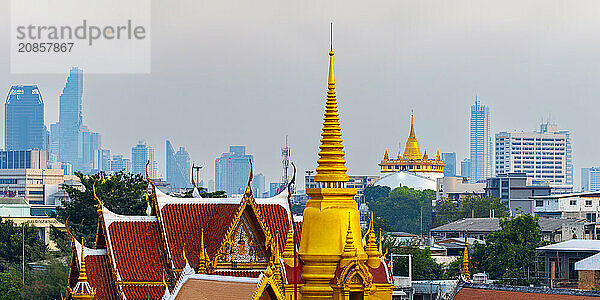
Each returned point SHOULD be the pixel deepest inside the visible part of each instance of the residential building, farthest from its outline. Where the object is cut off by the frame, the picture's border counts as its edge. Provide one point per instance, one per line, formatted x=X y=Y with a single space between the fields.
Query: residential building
x=179 y=167
x=584 y=205
x=457 y=188
x=449 y=159
x=70 y=118
x=553 y=229
x=543 y=155
x=23 y=159
x=480 y=143
x=232 y=170
x=516 y=190
x=559 y=260
x=24 y=119
x=117 y=163
x=590 y=179
x=412 y=161
x=141 y=154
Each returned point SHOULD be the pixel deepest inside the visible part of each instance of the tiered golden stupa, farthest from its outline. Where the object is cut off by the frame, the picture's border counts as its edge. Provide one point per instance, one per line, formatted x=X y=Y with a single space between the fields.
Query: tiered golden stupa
x=412 y=160
x=336 y=263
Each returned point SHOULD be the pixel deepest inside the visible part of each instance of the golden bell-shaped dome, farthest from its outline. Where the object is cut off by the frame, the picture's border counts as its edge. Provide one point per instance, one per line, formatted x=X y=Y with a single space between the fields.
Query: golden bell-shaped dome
x=411 y=151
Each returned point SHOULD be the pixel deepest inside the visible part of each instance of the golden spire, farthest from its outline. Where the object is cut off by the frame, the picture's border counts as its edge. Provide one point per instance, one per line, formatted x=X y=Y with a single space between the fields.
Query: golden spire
x=83 y=289
x=425 y=157
x=465 y=270
x=411 y=150
x=331 y=163
x=380 y=243
x=202 y=264
x=349 y=250
x=386 y=156
x=437 y=155
x=371 y=248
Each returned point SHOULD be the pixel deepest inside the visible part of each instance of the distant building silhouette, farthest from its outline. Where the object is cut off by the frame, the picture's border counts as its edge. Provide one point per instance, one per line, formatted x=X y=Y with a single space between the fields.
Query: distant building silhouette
x=232 y=170
x=119 y=163
x=480 y=143
x=70 y=118
x=24 y=119
x=449 y=159
x=178 y=167
x=140 y=154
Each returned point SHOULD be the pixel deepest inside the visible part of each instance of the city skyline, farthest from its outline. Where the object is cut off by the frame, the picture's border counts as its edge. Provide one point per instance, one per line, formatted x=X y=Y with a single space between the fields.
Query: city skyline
x=392 y=70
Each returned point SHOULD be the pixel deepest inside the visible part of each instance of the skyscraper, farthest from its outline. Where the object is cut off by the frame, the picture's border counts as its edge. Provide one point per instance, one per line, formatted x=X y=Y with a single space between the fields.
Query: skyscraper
x=119 y=163
x=91 y=143
x=54 y=142
x=232 y=170
x=465 y=168
x=481 y=142
x=24 y=119
x=178 y=167
x=140 y=154
x=70 y=118
x=449 y=159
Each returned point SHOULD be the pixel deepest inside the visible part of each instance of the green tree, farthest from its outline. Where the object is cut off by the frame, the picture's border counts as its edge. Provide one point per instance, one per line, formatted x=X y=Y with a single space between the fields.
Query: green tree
x=509 y=253
x=447 y=211
x=405 y=209
x=47 y=282
x=424 y=267
x=10 y=286
x=373 y=193
x=122 y=193
x=11 y=245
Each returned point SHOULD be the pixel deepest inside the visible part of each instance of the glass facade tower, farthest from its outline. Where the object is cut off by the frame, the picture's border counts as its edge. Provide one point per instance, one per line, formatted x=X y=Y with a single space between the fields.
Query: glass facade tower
x=480 y=143
x=24 y=119
x=70 y=118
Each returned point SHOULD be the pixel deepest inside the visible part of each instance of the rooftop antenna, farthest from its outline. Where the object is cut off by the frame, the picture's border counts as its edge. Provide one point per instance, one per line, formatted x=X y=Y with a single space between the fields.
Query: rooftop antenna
x=285 y=160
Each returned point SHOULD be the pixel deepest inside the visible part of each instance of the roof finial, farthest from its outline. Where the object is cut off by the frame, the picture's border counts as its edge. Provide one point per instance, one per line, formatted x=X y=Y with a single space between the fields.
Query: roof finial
x=331 y=165
x=248 y=187
x=331 y=36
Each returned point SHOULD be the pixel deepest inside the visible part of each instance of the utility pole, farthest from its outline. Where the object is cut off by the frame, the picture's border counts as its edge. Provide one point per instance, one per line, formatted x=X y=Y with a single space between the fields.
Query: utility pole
x=23 y=246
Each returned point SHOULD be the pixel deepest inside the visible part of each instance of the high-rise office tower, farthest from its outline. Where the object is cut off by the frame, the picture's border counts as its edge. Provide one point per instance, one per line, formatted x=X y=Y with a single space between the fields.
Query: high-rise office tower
x=91 y=143
x=590 y=179
x=24 y=119
x=449 y=159
x=481 y=142
x=102 y=160
x=258 y=184
x=140 y=154
x=178 y=167
x=119 y=163
x=232 y=170
x=70 y=118
x=543 y=155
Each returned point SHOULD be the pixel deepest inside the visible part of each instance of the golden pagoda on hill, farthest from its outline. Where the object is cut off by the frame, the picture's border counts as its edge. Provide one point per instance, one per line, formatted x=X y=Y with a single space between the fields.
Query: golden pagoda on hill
x=239 y=247
x=412 y=160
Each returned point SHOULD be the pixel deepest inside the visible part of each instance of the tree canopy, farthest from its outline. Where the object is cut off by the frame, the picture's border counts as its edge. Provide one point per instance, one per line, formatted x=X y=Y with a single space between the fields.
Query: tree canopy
x=447 y=211
x=122 y=193
x=404 y=209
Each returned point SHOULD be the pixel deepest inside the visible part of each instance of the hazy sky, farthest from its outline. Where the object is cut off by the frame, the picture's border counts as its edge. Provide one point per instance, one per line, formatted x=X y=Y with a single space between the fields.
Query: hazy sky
x=250 y=72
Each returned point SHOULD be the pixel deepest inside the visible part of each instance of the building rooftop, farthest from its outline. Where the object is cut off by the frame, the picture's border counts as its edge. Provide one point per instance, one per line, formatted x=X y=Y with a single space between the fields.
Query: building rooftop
x=591 y=263
x=471 y=224
x=573 y=245
x=553 y=224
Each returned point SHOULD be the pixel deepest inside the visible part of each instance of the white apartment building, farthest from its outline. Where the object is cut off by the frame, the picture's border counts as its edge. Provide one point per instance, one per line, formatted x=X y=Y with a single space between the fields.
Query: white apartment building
x=33 y=185
x=590 y=179
x=543 y=155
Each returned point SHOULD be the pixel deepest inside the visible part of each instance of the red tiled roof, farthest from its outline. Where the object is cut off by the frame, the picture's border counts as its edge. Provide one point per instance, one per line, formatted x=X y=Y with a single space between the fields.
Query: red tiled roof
x=184 y=223
x=379 y=274
x=276 y=218
x=143 y=292
x=136 y=249
x=100 y=276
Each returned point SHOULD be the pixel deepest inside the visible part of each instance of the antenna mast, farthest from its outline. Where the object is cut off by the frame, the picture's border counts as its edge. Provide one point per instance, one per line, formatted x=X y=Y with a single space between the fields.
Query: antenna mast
x=285 y=160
